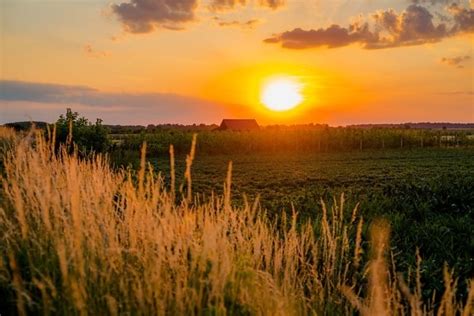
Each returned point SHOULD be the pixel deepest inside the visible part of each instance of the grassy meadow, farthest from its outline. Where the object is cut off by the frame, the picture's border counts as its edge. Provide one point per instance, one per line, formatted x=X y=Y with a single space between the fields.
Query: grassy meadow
x=281 y=231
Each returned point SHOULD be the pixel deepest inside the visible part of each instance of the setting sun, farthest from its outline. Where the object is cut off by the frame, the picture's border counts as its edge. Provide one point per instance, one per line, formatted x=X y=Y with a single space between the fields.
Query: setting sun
x=281 y=94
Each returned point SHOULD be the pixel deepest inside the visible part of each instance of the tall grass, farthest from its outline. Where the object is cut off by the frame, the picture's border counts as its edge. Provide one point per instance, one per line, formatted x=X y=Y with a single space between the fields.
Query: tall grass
x=77 y=237
x=8 y=137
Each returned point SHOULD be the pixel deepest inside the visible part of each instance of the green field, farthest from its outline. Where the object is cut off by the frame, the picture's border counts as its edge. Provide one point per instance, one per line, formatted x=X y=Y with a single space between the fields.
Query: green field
x=426 y=194
x=283 y=178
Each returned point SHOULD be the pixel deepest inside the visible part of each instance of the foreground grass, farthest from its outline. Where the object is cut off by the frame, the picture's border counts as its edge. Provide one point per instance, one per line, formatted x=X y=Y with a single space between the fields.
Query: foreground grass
x=425 y=194
x=79 y=238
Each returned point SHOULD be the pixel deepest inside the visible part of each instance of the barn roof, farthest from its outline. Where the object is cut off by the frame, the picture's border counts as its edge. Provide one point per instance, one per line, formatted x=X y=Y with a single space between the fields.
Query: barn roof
x=239 y=124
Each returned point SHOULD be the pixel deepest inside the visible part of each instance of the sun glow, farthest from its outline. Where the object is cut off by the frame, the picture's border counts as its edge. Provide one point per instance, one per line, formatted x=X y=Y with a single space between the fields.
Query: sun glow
x=281 y=94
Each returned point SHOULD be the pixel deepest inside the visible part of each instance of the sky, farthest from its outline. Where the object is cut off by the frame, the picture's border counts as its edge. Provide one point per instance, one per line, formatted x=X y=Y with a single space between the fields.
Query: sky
x=199 y=61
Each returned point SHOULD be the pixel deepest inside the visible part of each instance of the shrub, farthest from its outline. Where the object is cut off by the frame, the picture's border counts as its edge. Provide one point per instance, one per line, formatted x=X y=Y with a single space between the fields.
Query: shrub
x=85 y=135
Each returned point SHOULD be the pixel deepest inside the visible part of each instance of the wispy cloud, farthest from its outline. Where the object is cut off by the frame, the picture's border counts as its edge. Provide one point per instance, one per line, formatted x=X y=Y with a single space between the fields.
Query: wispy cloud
x=249 y=24
x=416 y=25
x=222 y=5
x=90 y=51
x=457 y=61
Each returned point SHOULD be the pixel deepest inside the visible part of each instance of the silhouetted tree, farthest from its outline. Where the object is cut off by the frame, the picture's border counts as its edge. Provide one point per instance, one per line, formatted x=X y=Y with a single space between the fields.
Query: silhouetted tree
x=85 y=135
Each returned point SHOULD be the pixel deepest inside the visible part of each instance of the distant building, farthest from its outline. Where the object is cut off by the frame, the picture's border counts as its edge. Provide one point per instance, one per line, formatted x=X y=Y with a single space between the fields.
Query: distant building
x=238 y=125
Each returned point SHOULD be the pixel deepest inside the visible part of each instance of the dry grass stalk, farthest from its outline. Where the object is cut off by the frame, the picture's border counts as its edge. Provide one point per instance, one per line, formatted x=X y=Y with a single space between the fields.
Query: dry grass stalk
x=172 y=175
x=141 y=171
x=469 y=306
x=189 y=163
x=381 y=297
x=358 y=249
x=227 y=186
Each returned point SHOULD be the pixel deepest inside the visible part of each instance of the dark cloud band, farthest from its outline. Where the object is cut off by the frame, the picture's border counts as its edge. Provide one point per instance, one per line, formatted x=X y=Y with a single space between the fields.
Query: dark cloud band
x=161 y=106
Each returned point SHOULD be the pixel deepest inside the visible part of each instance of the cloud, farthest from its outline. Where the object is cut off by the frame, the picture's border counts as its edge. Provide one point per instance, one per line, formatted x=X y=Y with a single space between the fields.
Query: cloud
x=414 y=26
x=144 y=16
x=432 y=2
x=467 y=93
x=30 y=97
x=250 y=24
x=221 y=5
x=93 y=53
x=274 y=4
x=41 y=92
x=333 y=36
x=455 y=61
x=463 y=17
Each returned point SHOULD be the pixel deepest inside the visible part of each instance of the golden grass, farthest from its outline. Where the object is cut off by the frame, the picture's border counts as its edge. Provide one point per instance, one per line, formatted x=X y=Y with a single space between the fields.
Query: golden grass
x=7 y=133
x=8 y=137
x=79 y=238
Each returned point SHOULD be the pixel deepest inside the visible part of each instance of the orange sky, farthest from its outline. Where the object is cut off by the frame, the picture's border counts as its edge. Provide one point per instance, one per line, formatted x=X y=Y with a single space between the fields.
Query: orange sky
x=189 y=61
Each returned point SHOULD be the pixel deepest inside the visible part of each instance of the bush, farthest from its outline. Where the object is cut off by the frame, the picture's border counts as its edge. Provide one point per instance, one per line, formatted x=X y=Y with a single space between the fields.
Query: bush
x=85 y=135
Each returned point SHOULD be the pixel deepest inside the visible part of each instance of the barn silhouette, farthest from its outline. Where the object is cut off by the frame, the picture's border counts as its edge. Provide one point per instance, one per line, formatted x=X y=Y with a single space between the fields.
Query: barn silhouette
x=238 y=125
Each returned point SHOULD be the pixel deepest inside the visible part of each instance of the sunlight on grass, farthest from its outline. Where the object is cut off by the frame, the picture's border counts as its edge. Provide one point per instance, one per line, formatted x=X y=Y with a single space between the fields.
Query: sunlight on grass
x=78 y=237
